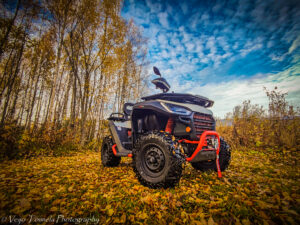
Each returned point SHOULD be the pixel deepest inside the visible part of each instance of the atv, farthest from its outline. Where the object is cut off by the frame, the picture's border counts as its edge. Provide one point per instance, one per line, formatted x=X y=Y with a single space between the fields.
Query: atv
x=161 y=133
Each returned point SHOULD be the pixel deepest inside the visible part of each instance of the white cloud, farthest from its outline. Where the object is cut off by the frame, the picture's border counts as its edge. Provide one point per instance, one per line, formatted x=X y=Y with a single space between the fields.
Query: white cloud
x=163 y=19
x=210 y=44
x=235 y=46
x=194 y=21
x=223 y=43
x=184 y=7
x=175 y=41
x=162 y=41
x=217 y=7
x=204 y=60
x=295 y=44
x=165 y=54
x=172 y=53
x=186 y=37
x=229 y=94
x=199 y=49
x=277 y=57
x=190 y=46
x=204 y=17
x=179 y=48
x=154 y=7
x=249 y=48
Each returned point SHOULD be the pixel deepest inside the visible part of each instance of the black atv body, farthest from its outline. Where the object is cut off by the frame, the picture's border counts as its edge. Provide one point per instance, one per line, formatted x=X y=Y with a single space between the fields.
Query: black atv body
x=161 y=133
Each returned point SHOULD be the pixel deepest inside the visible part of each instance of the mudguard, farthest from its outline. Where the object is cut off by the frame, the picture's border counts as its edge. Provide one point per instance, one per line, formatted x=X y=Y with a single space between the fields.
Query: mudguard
x=118 y=132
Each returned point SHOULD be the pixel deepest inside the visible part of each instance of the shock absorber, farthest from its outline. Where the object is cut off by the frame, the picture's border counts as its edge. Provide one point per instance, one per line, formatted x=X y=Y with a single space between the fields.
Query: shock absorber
x=169 y=126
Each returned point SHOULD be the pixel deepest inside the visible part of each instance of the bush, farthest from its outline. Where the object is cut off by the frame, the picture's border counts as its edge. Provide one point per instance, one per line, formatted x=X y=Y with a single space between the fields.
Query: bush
x=51 y=139
x=10 y=135
x=251 y=126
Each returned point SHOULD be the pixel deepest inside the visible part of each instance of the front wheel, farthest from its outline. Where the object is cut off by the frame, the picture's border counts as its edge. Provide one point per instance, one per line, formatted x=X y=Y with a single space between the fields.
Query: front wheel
x=157 y=160
x=224 y=159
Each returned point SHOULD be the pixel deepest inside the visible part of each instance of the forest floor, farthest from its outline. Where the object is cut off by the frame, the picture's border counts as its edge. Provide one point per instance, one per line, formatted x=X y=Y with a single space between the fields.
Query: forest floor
x=259 y=188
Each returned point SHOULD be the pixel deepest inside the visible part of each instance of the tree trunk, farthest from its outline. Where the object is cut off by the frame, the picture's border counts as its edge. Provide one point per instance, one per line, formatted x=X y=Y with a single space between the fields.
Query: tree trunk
x=10 y=25
x=11 y=84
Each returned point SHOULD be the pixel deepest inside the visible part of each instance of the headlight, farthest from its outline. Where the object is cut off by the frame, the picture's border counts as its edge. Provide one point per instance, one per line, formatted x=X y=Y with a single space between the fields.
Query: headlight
x=215 y=143
x=176 y=109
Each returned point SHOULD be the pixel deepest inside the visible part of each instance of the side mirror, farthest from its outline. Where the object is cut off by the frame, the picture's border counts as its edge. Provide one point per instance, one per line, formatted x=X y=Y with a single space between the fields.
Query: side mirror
x=156 y=71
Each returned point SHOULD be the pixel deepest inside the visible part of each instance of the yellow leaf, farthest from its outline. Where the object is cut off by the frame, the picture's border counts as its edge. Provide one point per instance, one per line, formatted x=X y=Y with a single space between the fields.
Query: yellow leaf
x=56 y=202
x=136 y=187
x=263 y=215
x=47 y=196
x=203 y=221
x=34 y=191
x=143 y=216
x=54 y=209
x=226 y=181
x=290 y=211
x=210 y=221
x=178 y=204
x=159 y=215
x=265 y=222
x=277 y=198
x=246 y=222
x=110 y=212
x=108 y=207
x=19 y=191
x=117 y=220
x=191 y=199
x=61 y=189
x=263 y=205
x=147 y=199
x=24 y=204
x=237 y=221
x=123 y=218
x=249 y=203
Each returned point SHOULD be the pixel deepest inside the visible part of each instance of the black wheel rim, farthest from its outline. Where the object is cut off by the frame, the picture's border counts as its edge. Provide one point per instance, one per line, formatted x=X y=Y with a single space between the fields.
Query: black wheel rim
x=153 y=160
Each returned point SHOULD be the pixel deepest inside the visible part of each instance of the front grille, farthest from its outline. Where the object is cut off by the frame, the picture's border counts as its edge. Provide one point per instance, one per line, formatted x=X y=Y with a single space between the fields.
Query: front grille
x=203 y=122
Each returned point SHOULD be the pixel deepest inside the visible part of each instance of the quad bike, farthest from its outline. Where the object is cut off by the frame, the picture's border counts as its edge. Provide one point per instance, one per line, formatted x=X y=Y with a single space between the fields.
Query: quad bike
x=161 y=133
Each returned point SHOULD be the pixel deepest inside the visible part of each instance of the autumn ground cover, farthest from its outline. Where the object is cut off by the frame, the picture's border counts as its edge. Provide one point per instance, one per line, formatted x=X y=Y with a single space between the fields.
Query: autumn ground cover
x=259 y=187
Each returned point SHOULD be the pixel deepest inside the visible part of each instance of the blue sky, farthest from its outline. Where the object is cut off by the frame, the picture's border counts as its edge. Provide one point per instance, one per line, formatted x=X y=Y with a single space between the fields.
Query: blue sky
x=225 y=50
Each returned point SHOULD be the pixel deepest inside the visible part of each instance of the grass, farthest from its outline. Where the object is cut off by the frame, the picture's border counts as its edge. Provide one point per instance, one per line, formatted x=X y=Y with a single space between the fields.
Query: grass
x=257 y=188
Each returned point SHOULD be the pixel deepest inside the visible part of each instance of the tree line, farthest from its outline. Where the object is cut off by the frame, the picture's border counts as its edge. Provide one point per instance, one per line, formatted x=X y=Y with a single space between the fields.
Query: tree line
x=251 y=126
x=64 y=64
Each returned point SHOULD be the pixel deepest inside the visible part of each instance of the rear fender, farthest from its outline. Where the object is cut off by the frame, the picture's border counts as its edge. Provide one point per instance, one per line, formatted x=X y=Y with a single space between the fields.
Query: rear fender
x=149 y=110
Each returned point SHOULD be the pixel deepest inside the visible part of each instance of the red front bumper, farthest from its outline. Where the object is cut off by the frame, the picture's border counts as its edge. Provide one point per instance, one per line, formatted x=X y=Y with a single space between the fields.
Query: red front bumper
x=203 y=142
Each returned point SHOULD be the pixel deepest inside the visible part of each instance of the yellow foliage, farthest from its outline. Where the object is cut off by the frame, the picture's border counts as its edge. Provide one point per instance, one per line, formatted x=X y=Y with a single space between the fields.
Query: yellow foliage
x=252 y=191
x=251 y=126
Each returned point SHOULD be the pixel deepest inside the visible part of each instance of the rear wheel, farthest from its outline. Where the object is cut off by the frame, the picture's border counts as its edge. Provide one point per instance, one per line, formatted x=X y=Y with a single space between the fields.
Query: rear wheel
x=224 y=159
x=107 y=156
x=157 y=160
